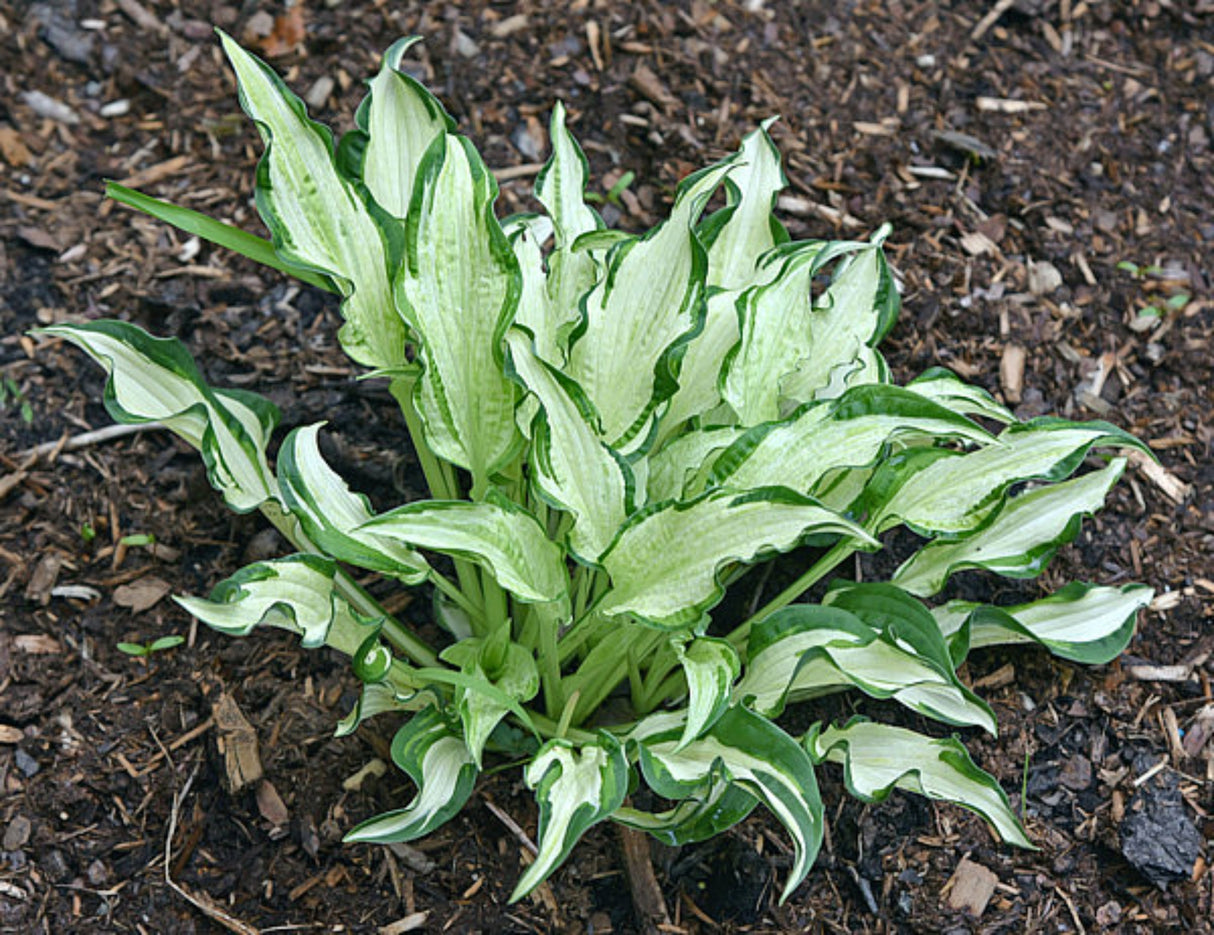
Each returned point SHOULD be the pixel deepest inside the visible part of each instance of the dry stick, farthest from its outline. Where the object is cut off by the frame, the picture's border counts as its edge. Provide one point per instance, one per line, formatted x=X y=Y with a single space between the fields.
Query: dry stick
x=95 y=437
x=207 y=906
x=512 y=825
x=991 y=18
x=642 y=883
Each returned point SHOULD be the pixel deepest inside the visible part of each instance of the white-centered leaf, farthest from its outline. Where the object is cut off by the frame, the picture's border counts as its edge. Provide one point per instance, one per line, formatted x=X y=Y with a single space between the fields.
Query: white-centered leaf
x=379 y=698
x=856 y=310
x=500 y=536
x=293 y=593
x=805 y=651
x=664 y=564
x=573 y=469
x=576 y=787
x=1081 y=622
x=710 y=666
x=701 y=815
x=877 y=758
x=959 y=494
x=749 y=751
x=626 y=351
x=944 y=387
x=330 y=514
x=459 y=291
x=1021 y=539
x=317 y=217
x=400 y=119
x=679 y=469
x=548 y=322
x=438 y=762
x=156 y=380
x=848 y=432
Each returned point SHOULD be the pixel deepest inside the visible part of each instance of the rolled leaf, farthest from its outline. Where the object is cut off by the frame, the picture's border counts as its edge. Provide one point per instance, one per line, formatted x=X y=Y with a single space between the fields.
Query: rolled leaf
x=156 y=380
x=317 y=217
x=576 y=787
x=459 y=292
x=710 y=667
x=876 y=758
x=1022 y=538
x=438 y=762
x=943 y=386
x=664 y=565
x=679 y=470
x=1080 y=622
x=698 y=817
x=516 y=676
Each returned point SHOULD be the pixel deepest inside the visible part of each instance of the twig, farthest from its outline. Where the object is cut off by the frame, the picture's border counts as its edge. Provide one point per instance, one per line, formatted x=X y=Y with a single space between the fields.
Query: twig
x=526 y=170
x=991 y=18
x=512 y=825
x=95 y=437
x=202 y=902
x=642 y=883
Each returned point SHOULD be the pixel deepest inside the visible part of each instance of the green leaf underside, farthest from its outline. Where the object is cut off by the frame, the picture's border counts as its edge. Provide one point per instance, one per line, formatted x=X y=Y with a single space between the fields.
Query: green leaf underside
x=317 y=217
x=576 y=787
x=749 y=751
x=632 y=324
x=665 y=562
x=850 y=431
x=331 y=514
x=459 y=292
x=805 y=651
x=499 y=536
x=200 y=225
x=1020 y=540
x=574 y=470
x=437 y=760
x=156 y=380
x=1080 y=622
x=957 y=495
x=876 y=758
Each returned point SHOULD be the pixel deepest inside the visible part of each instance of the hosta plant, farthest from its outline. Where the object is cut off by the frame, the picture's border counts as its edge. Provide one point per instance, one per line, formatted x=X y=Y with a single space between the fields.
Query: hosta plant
x=615 y=429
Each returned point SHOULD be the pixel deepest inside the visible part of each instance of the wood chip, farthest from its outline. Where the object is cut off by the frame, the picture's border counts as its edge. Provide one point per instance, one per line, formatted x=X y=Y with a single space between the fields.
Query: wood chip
x=650 y=86
x=46 y=573
x=141 y=16
x=11 y=735
x=410 y=923
x=1004 y=105
x=1172 y=486
x=37 y=644
x=153 y=174
x=273 y=809
x=143 y=594
x=1011 y=372
x=971 y=887
x=13 y=148
x=236 y=741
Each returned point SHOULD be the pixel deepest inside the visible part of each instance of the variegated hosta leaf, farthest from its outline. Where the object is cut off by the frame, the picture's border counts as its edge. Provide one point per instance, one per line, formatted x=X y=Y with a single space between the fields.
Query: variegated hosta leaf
x=156 y=380
x=1021 y=539
x=679 y=469
x=560 y=188
x=576 y=787
x=399 y=120
x=959 y=494
x=626 y=351
x=548 y=322
x=500 y=536
x=515 y=676
x=294 y=593
x=330 y=514
x=459 y=291
x=318 y=218
x=1080 y=622
x=437 y=760
x=572 y=468
x=750 y=751
x=806 y=650
x=857 y=309
x=665 y=562
x=943 y=386
x=710 y=666
x=848 y=432
x=698 y=817
x=735 y=237
x=380 y=698
x=878 y=757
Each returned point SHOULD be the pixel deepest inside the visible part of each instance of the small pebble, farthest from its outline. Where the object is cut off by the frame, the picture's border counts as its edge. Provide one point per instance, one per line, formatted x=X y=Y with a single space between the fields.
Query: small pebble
x=116 y=108
x=17 y=833
x=26 y=763
x=465 y=45
x=50 y=107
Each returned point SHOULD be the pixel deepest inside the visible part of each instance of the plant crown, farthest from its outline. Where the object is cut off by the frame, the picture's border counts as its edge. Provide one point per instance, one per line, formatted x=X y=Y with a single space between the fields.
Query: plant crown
x=614 y=430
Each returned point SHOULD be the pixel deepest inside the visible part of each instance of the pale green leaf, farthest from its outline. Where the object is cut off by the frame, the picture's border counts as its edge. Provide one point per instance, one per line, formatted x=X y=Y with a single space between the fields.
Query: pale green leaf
x=877 y=758
x=459 y=292
x=317 y=217
x=576 y=787
x=699 y=816
x=438 y=762
x=1021 y=539
x=379 y=698
x=664 y=566
x=679 y=469
x=156 y=380
x=480 y=712
x=497 y=534
x=943 y=386
x=710 y=666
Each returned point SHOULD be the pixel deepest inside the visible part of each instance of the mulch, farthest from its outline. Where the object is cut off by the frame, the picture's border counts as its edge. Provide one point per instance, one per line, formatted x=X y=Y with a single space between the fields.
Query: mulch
x=1047 y=169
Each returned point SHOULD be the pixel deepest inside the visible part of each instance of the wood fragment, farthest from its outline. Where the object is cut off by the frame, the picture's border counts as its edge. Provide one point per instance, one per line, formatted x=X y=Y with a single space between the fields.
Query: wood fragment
x=1168 y=483
x=1005 y=105
x=991 y=18
x=971 y=887
x=85 y=439
x=410 y=923
x=141 y=16
x=236 y=741
x=647 y=898
x=650 y=86
x=156 y=173
x=1011 y=372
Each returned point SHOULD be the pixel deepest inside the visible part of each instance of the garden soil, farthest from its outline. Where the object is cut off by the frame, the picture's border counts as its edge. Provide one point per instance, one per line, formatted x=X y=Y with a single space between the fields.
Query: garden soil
x=1047 y=170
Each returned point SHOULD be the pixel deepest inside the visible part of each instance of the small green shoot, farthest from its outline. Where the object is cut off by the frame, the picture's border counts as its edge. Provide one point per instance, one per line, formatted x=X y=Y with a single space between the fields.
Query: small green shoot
x=141 y=650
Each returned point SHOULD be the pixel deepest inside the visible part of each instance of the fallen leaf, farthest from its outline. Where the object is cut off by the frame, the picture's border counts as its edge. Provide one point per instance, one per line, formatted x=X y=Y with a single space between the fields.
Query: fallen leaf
x=141 y=595
x=273 y=809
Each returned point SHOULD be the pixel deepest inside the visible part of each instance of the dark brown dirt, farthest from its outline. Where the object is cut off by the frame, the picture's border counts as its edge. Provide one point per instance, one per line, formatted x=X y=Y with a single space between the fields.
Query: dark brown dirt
x=1111 y=163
